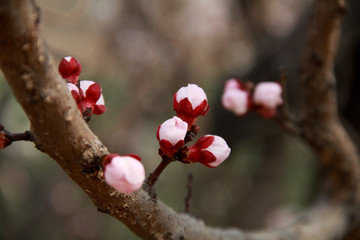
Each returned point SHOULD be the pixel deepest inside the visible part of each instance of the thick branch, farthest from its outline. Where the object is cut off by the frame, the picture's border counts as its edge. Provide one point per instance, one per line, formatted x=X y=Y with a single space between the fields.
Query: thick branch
x=60 y=132
x=321 y=125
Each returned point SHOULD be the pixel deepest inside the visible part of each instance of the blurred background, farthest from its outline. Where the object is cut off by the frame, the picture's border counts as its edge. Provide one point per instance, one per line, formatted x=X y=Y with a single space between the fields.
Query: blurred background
x=142 y=52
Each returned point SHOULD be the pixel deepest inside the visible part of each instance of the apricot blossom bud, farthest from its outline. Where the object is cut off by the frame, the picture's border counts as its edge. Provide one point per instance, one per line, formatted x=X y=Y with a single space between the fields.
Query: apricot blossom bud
x=267 y=97
x=88 y=97
x=4 y=138
x=209 y=150
x=236 y=97
x=125 y=174
x=92 y=97
x=70 y=69
x=190 y=102
x=171 y=135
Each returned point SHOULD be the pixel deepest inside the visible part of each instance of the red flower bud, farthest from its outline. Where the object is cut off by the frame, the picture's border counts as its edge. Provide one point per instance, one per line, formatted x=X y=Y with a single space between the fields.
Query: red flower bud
x=4 y=138
x=70 y=69
x=89 y=98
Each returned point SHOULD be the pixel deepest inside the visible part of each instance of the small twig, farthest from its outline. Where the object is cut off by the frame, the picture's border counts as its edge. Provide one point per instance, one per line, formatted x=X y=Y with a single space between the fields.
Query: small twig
x=25 y=136
x=189 y=193
x=285 y=118
x=178 y=156
x=153 y=177
x=6 y=137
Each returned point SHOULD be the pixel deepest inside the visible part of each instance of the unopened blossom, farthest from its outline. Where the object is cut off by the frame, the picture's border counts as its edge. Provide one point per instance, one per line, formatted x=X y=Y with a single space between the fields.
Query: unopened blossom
x=125 y=174
x=4 y=139
x=190 y=102
x=88 y=97
x=70 y=69
x=267 y=97
x=171 y=135
x=209 y=150
x=236 y=97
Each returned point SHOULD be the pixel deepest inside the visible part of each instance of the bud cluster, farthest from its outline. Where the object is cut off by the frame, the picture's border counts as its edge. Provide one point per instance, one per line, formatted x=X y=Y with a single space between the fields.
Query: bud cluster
x=189 y=103
x=87 y=94
x=240 y=97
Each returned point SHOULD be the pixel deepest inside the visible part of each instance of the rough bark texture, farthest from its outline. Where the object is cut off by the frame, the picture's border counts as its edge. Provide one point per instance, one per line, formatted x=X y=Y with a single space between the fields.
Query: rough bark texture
x=61 y=133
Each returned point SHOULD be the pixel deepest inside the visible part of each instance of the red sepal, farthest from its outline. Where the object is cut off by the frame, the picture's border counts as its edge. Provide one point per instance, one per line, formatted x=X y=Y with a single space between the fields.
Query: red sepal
x=76 y=96
x=137 y=157
x=168 y=149
x=99 y=109
x=4 y=140
x=107 y=159
x=204 y=141
x=93 y=93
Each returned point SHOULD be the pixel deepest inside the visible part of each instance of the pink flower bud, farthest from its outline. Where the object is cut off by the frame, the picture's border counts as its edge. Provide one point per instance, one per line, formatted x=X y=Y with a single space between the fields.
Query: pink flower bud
x=171 y=135
x=209 y=150
x=125 y=174
x=236 y=97
x=190 y=102
x=267 y=97
x=70 y=69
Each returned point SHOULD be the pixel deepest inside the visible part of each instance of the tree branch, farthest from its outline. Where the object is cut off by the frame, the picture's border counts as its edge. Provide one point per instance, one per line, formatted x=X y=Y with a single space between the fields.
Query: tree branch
x=60 y=132
x=321 y=125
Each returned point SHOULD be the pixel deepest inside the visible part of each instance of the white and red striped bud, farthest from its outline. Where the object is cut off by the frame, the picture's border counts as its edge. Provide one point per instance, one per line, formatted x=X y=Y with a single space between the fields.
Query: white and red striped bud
x=209 y=150
x=171 y=135
x=125 y=174
x=88 y=97
x=267 y=97
x=190 y=102
x=92 y=98
x=236 y=97
x=70 y=69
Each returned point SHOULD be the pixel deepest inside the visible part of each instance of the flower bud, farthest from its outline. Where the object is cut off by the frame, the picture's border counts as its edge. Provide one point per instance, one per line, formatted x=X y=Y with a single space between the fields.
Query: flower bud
x=267 y=97
x=209 y=150
x=88 y=98
x=92 y=99
x=125 y=174
x=70 y=69
x=190 y=102
x=171 y=135
x=4 y=138
x=236 y=97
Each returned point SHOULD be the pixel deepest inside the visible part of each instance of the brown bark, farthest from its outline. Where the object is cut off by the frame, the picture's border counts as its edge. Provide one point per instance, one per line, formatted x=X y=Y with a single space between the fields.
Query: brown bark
x=60 y=132
x=321 y=125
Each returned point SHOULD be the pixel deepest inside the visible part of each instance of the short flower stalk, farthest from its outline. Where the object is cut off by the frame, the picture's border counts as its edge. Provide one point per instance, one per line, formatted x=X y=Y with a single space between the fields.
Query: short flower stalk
x=154 y=176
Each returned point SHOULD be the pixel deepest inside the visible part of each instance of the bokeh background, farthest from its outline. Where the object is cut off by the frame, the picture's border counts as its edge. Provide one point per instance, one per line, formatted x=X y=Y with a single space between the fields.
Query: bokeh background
x=142 y=52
